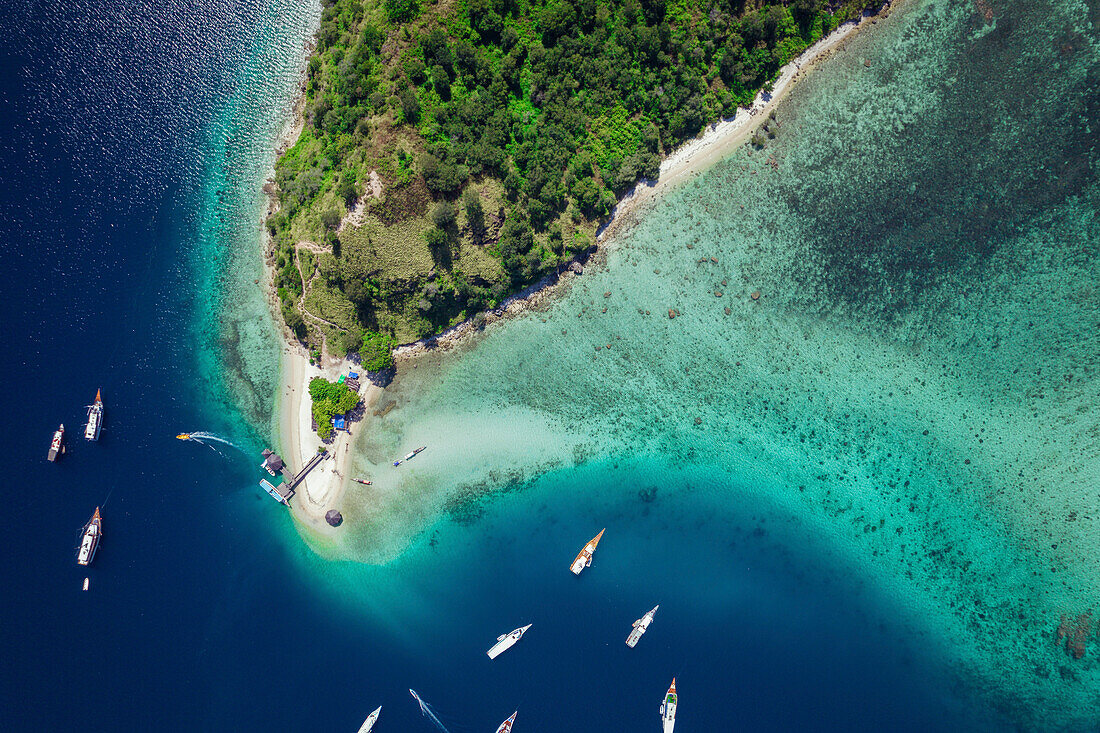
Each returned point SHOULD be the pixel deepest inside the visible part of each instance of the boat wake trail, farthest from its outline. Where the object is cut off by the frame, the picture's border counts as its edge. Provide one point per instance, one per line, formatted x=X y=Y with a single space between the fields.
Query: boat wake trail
x=203 y=437
x=426 y=710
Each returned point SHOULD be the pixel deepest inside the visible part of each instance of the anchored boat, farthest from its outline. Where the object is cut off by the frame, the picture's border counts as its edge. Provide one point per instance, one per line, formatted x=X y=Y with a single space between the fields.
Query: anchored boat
x=410 y=456
x=668 y=708
x=370 y=721
x=506 y=726
x=584 y=558
x=95 y=418
x=640 y=627
x=89 y=539
x=507 y=641
x=56 y=447
x=362 y=481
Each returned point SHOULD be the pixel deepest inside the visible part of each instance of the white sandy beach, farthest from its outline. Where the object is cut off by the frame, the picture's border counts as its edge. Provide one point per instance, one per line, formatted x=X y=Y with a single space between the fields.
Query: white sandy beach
x=325 y=484
x=721 y=138
x=324 y=488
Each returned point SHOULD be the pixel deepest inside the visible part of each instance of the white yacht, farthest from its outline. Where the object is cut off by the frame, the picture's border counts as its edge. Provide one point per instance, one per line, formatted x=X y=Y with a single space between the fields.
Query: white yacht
x=640 y=627
x=507 y=641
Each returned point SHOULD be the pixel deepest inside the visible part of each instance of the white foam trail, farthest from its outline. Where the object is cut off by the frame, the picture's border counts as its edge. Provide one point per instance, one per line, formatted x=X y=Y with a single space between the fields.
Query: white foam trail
x=201 y=437
x=424 y=708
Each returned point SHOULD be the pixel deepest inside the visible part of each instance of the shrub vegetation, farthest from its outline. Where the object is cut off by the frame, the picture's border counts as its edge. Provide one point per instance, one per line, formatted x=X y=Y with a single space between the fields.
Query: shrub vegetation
x=330 y=399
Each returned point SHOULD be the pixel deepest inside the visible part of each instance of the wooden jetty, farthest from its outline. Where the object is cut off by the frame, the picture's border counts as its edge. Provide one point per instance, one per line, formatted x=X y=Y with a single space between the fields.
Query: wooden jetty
x=285 y=490
x=309 y=467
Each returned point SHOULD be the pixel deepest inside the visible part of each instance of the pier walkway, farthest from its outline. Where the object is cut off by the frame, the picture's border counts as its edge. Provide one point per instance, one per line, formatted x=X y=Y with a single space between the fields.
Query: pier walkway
x=285 y=490
x=293 y=483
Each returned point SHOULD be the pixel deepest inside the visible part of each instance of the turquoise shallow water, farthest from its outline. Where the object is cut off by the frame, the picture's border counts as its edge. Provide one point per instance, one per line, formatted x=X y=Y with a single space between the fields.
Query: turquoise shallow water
x=913 y=394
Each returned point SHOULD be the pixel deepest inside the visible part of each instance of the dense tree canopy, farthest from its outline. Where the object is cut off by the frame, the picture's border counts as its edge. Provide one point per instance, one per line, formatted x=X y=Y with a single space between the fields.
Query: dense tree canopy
x=564 y=104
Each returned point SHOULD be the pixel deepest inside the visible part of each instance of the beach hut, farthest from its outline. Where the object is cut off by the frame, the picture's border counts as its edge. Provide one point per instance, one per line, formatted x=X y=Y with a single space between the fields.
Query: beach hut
x=339 y=423
x=272 y=462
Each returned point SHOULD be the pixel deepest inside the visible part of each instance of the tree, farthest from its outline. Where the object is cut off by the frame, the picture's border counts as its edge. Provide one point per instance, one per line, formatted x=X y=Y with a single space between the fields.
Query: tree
x=410 y=105
x=376 y=352
x=401 y=10
x=348 y=190
x=441 y=82
x=443 y=215
x=330 y=399
x=330 y=219
x=475 y=216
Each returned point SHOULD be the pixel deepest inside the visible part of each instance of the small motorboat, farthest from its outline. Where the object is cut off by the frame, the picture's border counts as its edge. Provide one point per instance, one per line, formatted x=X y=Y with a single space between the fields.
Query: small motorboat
x=183 y=436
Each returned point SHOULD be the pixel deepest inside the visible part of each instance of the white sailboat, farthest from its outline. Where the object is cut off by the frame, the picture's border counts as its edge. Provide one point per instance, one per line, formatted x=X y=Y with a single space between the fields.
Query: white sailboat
x=507 y=641
x=668 y=708
x=640 y=627
x=370 y=721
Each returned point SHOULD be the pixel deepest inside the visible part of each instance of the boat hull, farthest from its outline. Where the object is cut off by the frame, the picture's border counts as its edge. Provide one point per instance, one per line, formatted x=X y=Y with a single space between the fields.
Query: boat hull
x=584 y=557
x=89 y=540
x=56 y=445
x=368 y=724
x=95 y=419
x=668 y=708
x=507 y=642
x=640 y=627
x=506 y=726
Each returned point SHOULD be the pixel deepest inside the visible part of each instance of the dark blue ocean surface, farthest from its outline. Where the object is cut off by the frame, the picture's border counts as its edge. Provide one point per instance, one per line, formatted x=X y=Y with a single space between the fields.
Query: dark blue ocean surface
x=122 y=196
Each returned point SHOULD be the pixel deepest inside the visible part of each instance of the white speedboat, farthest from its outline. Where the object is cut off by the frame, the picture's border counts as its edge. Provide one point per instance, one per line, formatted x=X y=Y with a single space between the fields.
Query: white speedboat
x=370 y=721
x=506 y=726
x=640 y=627
x=668 y=708
x=507 y=641
x=584 y=557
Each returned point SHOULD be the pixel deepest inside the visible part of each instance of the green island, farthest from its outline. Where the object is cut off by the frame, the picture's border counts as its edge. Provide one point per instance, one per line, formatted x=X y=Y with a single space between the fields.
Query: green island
x=453 y=152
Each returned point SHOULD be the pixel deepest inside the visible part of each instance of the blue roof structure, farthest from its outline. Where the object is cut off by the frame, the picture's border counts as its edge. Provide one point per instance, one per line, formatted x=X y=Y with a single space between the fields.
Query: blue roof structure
x=353 y=375
x=338 y=422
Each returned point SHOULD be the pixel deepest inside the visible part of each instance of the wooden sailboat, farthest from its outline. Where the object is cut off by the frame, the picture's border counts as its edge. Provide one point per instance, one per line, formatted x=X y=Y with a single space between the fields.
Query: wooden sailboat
x=668 y=709
x=89 y=539
x=95 y=418
x=584 y=557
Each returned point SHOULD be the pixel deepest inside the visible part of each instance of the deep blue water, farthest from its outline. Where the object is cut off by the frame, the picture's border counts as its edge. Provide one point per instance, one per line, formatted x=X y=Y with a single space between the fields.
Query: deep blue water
x=206 y=612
